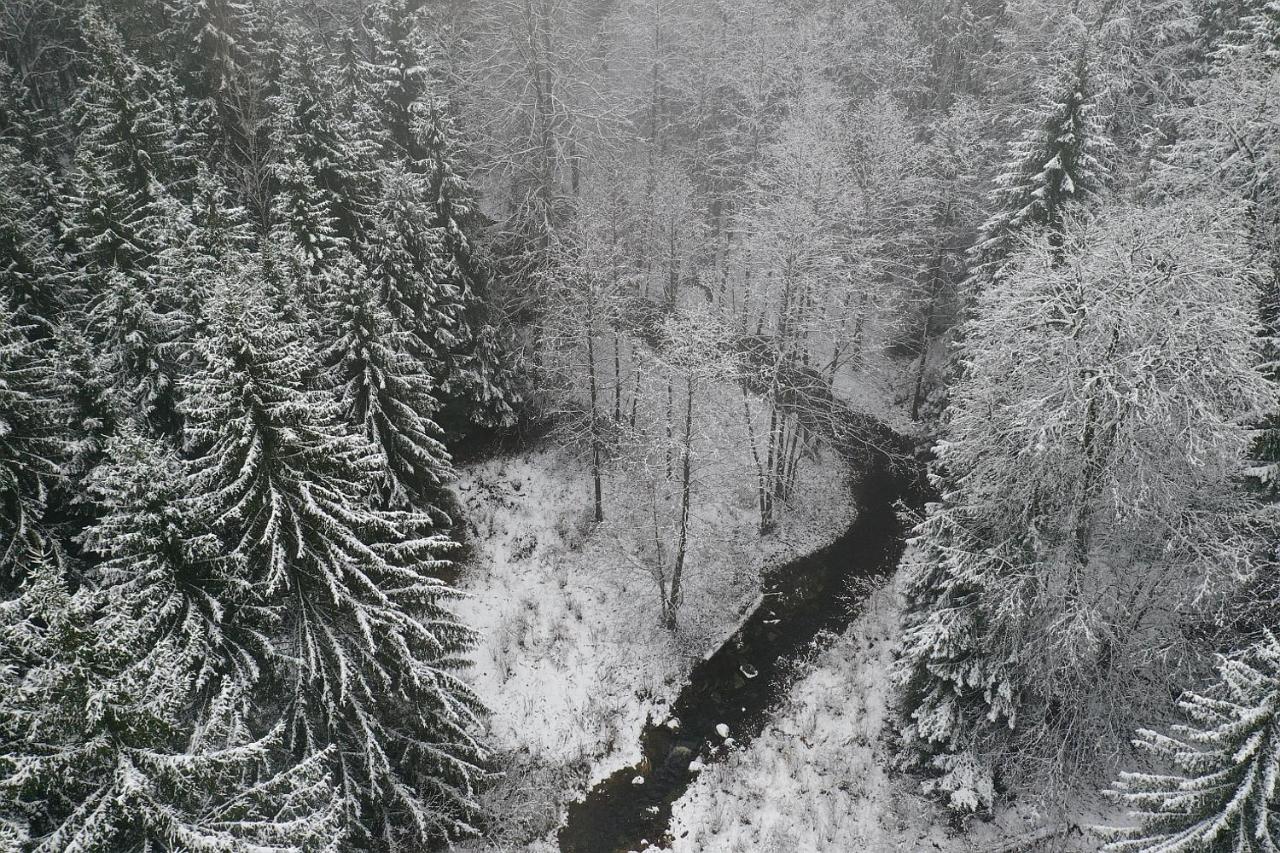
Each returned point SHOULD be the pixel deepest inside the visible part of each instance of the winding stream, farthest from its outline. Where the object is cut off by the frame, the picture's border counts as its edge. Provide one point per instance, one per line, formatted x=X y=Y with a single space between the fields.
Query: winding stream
x=738 y=684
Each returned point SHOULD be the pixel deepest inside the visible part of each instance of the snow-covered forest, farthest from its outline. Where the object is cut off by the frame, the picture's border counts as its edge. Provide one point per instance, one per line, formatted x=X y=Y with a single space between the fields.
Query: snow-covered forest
x=607 y=425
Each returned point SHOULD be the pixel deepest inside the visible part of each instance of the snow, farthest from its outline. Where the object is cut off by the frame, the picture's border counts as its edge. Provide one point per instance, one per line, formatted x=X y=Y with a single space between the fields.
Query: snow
x=572 y=659
x=819 y=777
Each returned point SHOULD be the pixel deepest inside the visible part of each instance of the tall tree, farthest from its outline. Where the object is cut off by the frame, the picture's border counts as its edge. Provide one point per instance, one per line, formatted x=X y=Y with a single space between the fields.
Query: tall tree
x=32 y=442
x=101 y=683
x=129 y=177
x=1058 y=163
x=372 y=650
x=386 y=394
x=1086 y=483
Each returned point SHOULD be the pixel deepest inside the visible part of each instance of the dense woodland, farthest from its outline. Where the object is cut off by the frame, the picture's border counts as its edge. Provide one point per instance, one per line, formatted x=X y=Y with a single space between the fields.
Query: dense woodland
x=267 y=266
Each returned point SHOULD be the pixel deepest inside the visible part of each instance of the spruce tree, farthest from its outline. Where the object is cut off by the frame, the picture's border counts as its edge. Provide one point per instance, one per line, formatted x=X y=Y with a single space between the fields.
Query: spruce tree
x=32 y=443
x=372 y=652
x=95 y=409
x=125 y=160
x=401 y=256
x=125 y=700
x=386 y=395
x=1057 y=163
x=476 y=381
x=432 y=198
x=326 y=185
x=124 y=207
x=1220 y=789
x=30 y=272
x=208 y=36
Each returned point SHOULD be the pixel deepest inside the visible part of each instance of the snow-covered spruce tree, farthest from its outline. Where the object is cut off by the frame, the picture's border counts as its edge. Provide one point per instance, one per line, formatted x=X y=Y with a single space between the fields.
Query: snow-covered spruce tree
x=201 y=239
x=123 y=200
x=33 y=415
x=30 y=279
x=125 y=702
x=474 y=385
x=385 y=394
x=402 y=256
x=366 y=650
x=125 y=156
x=326 y=183
x=1058 y=163
x=477 y=388
x=95 y=412
x=1217 y=790
x=209 y=38
x=1085 y=476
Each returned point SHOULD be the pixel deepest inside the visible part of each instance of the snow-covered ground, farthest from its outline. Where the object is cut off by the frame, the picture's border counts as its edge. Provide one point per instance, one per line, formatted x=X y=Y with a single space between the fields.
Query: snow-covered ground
x=572 y=656
x=819 y=777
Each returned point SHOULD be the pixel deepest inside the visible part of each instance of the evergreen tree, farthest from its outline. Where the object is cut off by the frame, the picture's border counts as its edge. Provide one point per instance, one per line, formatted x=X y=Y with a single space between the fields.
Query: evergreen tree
x=208 y=36
x=476 y=384
x=402 y=256
x=126 y=159
x=30 y=270
x=1219 y=793
x=95 y=411
x=372 y=651
x=32 y=420
x=202 y=239
x=1058 y=163
x=386 y=395
x=124 y=208
x=103 y=681
x=432 y=194
x=326 y=185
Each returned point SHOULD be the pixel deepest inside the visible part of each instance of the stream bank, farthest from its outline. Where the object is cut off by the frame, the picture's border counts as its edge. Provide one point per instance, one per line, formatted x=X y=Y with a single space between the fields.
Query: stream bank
x=729 y=694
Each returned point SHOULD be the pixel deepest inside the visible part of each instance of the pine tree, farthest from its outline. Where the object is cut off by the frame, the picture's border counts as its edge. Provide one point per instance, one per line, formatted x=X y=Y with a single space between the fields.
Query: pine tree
x=101 y=684
x=386 y=395
x=1058 y=163
x=1220 y=790
x=372 y=650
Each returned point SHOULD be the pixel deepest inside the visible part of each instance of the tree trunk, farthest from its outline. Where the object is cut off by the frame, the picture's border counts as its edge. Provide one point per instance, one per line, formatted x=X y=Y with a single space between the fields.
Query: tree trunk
x=595 y=418
x=686 y=466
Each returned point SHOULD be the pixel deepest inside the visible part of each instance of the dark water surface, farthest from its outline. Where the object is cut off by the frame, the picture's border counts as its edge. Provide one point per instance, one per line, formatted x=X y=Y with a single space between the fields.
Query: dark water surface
x=801 y=600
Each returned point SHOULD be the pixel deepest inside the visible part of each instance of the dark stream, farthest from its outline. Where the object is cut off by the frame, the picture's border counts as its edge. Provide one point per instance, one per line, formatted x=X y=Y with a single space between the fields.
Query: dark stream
x=801 y=600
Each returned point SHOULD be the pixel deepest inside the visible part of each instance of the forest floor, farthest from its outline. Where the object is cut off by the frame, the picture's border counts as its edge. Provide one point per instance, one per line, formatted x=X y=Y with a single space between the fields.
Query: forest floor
x=572 y=656
x=573 y=659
